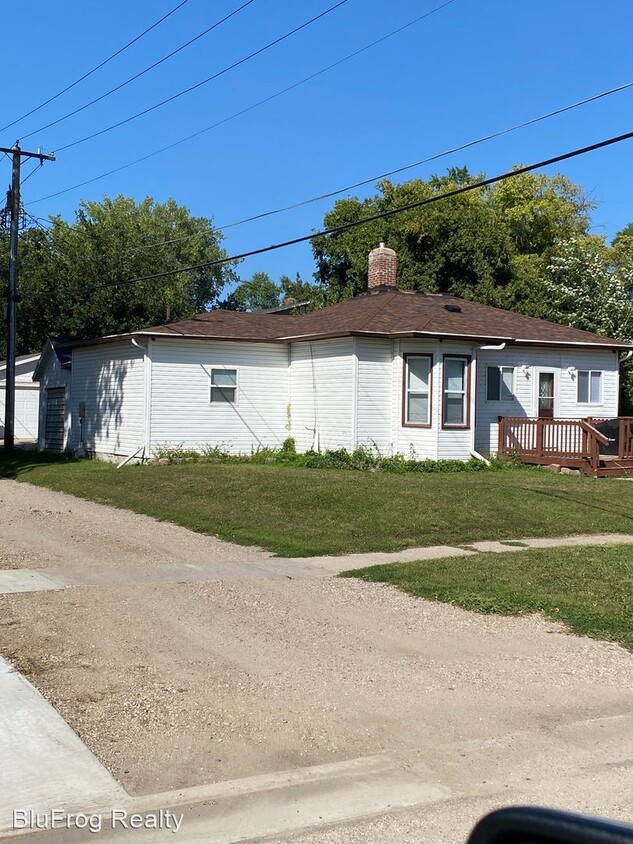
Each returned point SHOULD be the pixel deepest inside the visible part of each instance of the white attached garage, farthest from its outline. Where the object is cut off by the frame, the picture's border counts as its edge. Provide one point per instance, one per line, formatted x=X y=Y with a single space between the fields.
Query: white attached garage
x=27 y=397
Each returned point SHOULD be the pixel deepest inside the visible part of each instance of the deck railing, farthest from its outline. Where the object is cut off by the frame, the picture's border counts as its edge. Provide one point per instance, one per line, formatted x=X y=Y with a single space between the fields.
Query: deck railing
x=549 y=440
x=624 y=435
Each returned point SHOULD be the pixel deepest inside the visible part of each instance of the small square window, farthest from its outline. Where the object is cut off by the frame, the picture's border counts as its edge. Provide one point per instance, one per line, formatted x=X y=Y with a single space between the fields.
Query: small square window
x=223 y=385
x=500 y=383
x=589 y=386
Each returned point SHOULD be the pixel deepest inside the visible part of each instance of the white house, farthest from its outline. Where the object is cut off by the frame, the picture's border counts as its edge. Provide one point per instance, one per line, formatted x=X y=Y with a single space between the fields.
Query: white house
x=393 y=370
x=27 y=397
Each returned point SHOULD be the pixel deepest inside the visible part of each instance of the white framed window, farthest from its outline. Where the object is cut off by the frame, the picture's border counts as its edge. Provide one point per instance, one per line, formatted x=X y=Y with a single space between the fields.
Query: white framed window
x=589 y=386
x=417 y=397
x=223 y=386
x=455 y=393
x=500 y=383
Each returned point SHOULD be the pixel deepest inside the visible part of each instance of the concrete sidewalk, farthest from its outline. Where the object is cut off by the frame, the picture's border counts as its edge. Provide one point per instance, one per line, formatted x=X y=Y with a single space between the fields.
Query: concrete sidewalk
x=43 y=763
x=270 y=804
x=272 y=568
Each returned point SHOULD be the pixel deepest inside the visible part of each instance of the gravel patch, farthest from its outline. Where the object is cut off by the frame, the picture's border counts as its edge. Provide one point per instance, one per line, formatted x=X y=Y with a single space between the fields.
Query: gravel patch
x=180 y=684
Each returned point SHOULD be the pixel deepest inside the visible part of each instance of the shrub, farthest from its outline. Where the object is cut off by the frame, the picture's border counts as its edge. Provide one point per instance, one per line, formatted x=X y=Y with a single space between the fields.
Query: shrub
x=361 y=459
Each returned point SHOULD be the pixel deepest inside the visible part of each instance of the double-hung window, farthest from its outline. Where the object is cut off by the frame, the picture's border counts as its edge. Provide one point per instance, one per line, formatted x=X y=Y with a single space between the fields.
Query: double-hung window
x=455 y=409
x=589 y=386
x=500 y=383
x=416 y=408
x=223 y=385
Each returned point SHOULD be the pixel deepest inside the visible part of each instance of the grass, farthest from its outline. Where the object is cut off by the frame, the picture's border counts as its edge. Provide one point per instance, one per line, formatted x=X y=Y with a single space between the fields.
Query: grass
x=588 y=588
x=302 y=512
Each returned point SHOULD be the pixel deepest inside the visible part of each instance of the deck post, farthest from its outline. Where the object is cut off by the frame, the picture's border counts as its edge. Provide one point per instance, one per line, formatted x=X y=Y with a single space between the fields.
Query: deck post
x=501 y=436
x=539 y=437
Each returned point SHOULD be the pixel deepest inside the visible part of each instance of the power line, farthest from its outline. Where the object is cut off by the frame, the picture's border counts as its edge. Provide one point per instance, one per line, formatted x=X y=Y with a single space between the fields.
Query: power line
x=142 y=72
x=95 y=69
x=37 y=167
x=36 y=221
x=247 y=109
x=394 y=172
x=356 y=223
x=208 y=79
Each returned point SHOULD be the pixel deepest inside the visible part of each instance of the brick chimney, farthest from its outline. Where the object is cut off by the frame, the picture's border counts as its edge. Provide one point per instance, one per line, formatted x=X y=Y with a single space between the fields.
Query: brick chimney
x=382 y=267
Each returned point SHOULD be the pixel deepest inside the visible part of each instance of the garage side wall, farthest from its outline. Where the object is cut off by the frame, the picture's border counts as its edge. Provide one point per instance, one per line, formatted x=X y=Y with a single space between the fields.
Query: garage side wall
x=109 y=380
x=182 y=410
x=54 y=377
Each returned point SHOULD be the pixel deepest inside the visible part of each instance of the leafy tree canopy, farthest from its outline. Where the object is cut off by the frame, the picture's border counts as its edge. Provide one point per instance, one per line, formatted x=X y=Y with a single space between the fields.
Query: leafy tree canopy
x=108 y=241
x=260 y=292
x=486 y=245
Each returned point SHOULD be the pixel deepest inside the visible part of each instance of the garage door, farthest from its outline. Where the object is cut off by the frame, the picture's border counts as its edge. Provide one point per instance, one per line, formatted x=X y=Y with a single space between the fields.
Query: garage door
x=27 y=409
x=55 y=416
x=26 y=412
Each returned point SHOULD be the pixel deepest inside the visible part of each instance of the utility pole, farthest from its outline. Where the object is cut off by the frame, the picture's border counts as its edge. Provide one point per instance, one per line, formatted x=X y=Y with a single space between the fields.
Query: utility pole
x=17 y=155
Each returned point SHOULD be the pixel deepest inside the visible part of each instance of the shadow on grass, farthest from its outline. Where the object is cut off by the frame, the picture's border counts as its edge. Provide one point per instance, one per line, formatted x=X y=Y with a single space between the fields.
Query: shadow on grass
x=590 y=504
x=19 y=462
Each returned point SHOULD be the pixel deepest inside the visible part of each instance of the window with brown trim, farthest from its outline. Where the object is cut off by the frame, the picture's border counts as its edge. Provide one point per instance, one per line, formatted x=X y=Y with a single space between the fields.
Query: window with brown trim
x=417 y=391
x=456 y=391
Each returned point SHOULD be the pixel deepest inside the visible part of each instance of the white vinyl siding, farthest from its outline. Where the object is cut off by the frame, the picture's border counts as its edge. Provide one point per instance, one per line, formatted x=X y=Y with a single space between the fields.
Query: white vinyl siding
x=182 y=413
x=527 y=362
x=434 y=442
x=322 y=394
x=109 y=379
x=374 y=407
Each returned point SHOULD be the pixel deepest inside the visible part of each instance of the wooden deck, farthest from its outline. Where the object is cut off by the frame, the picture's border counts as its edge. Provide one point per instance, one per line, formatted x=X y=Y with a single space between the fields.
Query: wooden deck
x=598 y=447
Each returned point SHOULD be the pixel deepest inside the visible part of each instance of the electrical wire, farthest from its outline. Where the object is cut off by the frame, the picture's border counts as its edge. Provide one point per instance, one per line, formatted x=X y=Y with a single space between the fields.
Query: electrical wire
x=249 y=108
x=142 y=72
x=36 y=220
x=95 y=69
x=388 y=173
x=510 y=174
x=202 y=82
x=37 y=167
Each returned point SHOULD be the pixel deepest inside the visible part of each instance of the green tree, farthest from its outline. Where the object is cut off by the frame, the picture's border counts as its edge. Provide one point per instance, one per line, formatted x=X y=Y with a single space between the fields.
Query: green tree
x=259 y=293
x=588 y=292
x=490 y=244
x=302 y=291
x=65 y=271
x=456 y=246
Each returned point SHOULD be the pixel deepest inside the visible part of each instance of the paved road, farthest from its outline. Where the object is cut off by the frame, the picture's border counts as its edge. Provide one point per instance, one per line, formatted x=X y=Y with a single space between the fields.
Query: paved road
x=174 y=685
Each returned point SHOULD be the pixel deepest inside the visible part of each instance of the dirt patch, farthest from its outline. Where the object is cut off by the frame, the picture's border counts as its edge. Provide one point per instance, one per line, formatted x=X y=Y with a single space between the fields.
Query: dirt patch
x=42 y=528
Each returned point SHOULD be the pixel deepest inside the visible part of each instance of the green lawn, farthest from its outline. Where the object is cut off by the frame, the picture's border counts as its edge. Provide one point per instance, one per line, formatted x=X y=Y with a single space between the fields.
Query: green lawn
x=301 y=512
x=589 y=588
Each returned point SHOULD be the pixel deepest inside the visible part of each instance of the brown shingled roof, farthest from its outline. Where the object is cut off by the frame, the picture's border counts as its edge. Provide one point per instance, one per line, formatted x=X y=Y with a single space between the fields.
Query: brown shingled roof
x=381 y=312
x=384 y=312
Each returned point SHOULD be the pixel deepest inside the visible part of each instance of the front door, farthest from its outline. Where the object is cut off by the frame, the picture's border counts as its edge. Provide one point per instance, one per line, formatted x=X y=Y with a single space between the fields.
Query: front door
x=546 y=395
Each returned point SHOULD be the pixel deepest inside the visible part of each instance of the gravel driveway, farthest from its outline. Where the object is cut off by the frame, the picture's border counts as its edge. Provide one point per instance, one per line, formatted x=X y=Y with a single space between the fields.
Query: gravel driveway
x=178 y=684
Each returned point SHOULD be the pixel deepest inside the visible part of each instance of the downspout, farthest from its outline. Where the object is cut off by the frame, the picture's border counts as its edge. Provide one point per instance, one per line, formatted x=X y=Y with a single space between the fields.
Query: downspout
x=473 y=400
x=479 y=456
x=627 y=356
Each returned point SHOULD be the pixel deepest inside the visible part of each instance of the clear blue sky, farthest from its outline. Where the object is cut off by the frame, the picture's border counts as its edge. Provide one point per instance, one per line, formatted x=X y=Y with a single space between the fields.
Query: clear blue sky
x=470 y=69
